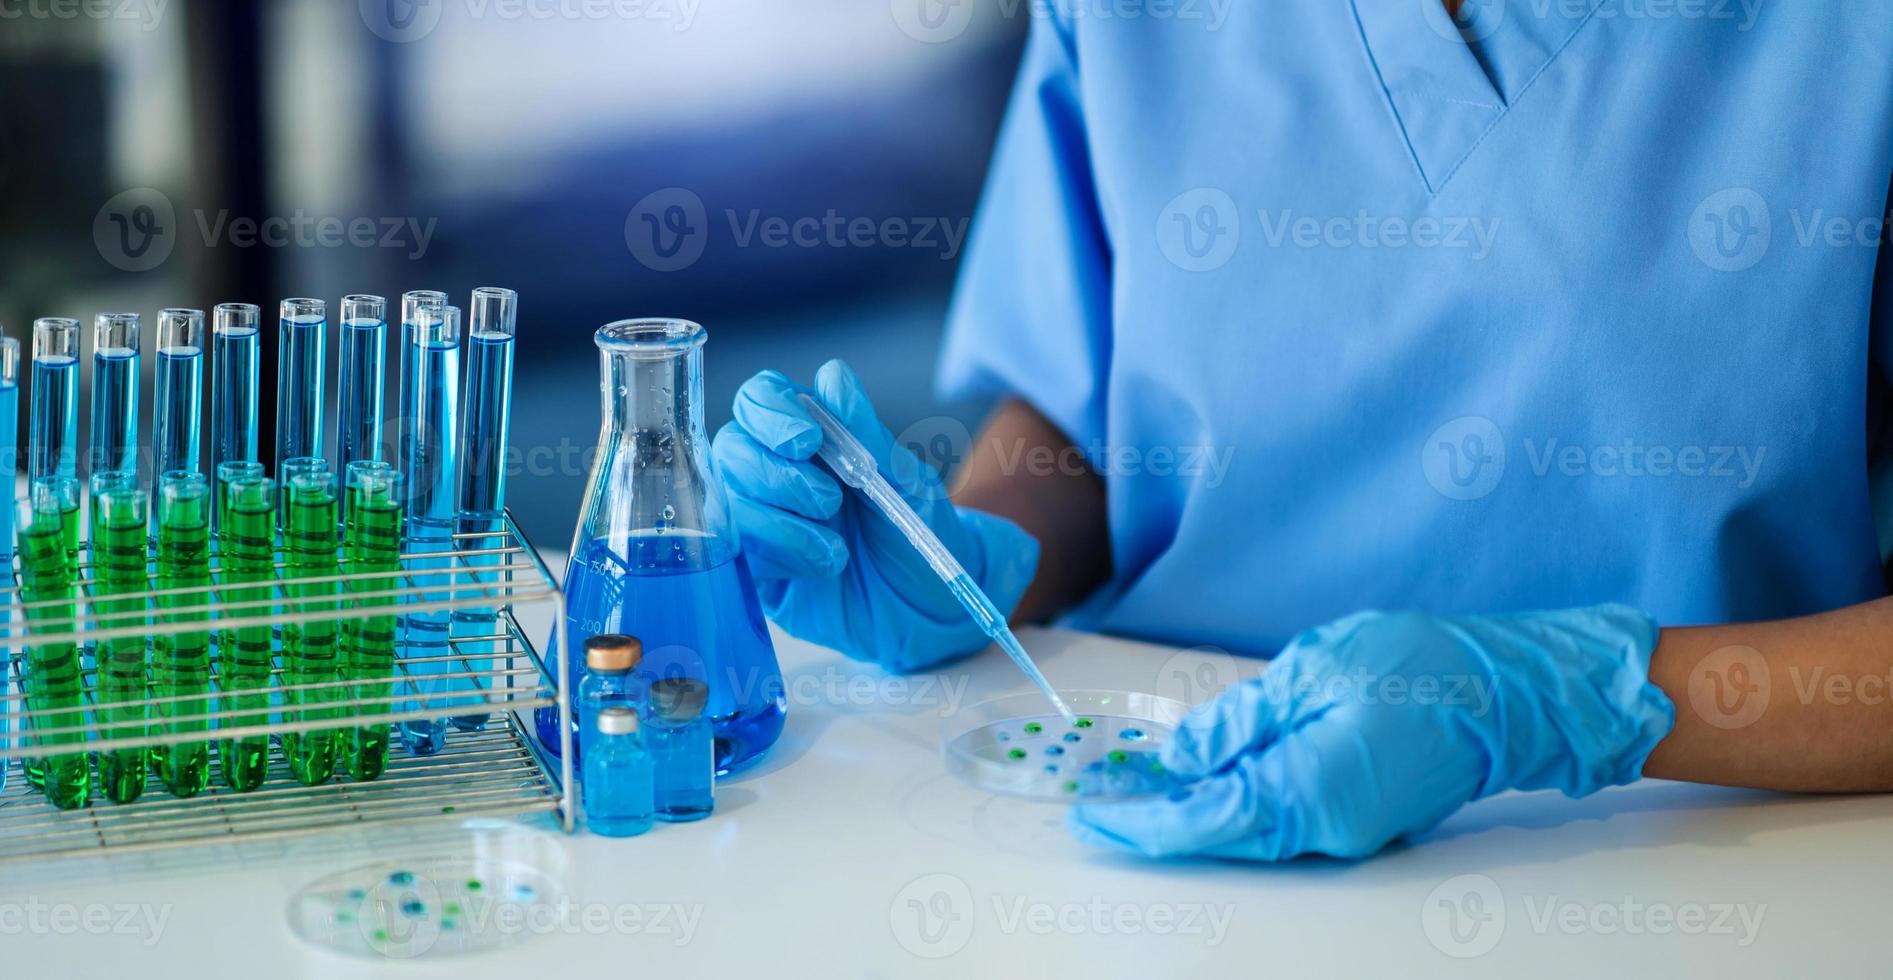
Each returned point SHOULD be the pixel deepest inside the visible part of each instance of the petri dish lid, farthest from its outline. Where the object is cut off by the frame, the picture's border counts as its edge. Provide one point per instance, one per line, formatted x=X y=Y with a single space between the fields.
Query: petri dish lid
x=460 y=887
x=1020 y=746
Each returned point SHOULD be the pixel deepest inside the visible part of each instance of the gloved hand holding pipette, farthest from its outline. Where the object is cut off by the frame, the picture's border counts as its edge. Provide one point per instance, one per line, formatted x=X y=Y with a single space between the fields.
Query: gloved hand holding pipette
x=829 y=567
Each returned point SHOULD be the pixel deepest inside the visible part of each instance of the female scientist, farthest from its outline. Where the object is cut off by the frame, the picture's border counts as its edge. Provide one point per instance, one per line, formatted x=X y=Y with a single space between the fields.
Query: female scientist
x=1565 y=329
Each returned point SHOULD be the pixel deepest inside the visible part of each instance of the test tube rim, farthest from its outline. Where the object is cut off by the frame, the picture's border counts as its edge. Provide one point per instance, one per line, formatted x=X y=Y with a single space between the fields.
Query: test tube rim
x=131 y=323
x=48 y=325
x=238 y=319
x=192 y=320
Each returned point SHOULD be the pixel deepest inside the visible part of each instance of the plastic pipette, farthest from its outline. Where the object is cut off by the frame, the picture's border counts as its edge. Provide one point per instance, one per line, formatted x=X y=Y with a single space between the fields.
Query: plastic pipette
x=851 y=461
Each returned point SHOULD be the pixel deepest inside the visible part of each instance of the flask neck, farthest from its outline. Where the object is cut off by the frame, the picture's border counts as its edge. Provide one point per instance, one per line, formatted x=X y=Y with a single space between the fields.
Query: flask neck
x=654 y=393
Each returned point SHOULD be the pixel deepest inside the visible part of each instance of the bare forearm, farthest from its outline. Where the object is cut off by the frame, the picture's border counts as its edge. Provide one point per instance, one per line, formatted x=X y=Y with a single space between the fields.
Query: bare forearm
x=1800 y=704
x=1024 y=469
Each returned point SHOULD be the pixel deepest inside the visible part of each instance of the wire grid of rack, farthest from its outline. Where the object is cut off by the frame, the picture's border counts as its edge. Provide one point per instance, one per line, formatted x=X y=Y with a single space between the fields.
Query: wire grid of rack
x=498 y=673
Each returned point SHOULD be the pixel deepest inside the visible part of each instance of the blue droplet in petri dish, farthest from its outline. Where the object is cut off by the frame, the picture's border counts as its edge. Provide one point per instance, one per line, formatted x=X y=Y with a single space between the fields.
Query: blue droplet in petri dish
x=1054 y=750
x=1051 y=770
x=1073 y=737
x=413 y=908
x=401 y=878
x=524 y=893
x=1004 y=736
x=1132 y=735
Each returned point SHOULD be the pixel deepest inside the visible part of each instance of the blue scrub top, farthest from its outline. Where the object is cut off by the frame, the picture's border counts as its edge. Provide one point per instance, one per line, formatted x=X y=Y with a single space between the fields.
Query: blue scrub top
x=1357 y=306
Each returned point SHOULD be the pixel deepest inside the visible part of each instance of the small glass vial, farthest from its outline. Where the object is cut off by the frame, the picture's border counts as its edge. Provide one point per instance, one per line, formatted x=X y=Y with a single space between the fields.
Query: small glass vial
x=683 y=748
x=610 y=659
x=618 y=776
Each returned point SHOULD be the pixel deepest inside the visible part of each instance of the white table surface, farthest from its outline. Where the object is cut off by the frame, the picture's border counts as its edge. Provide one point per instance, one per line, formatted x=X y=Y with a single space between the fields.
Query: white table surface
x=849 y=852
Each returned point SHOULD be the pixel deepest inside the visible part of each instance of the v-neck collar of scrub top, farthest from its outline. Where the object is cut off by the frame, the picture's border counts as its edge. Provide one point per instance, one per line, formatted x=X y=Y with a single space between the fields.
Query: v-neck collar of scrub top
x=1450 y=79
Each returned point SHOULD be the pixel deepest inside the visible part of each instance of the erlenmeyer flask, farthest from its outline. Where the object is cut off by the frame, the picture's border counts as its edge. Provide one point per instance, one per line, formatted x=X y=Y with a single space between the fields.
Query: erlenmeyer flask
x=656 y=554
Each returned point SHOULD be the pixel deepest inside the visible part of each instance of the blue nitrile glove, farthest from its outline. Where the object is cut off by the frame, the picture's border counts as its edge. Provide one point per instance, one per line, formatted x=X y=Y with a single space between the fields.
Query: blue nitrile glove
x=1379 y=725
x=830 y=569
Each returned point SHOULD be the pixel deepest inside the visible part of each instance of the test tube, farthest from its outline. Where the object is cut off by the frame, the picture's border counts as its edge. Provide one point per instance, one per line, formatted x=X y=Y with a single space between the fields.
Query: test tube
x=9 y=471
x=372 y=537
x=180 y=666
x=178 y=395
x=120 y=523
x=53 y=436
x=310 y=539
x=55 y=679
x=246 y=535
x=115 y=344
x=487 y=413
x=363 y=371
x=303 y=339
x=233 y=382
x=430 y=413
x=9 y=465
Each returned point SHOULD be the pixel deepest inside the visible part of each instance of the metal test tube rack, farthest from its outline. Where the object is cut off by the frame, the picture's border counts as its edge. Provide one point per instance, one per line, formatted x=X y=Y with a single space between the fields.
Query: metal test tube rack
x=500 y=771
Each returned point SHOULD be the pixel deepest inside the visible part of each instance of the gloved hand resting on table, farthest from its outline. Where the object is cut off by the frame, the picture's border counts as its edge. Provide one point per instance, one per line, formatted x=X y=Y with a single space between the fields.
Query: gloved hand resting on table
x=830 y=569
x=1379 y=725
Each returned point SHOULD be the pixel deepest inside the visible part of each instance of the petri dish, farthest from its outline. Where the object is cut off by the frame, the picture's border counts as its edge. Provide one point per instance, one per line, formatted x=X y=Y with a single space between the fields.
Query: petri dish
x=1020 y=746
x=478 y=886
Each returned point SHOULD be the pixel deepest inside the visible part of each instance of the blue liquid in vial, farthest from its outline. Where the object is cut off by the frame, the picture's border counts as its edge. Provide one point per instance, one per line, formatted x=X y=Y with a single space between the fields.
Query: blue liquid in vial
x=362 y=365
x=618 y=785
x=431 y=409
x=696 y=619
x=114 y=410
x=54 y=437
x=489 y=396
x=233 y=370
x=179 y=402
x=299 y=389
x=9 y=462
x=685 y=758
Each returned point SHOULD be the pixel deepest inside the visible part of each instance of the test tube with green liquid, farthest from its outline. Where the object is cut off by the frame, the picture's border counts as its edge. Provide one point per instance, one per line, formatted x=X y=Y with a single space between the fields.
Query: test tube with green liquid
x=309 y=542
x=181 y=669
x=246 y=564
x=55 y=680
x=372 y=540
x=121 y=521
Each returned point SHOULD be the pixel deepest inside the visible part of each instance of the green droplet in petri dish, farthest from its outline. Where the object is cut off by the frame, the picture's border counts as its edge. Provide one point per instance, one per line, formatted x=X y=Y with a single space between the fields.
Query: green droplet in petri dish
x=473 y=885
x=344 y=917
x=1081 y=723
x=1016 y=754
x=446 y=809
x=1117 y=755
x=450 y=908
x=1033 y=728
x=1071 y=786
x=381 y=935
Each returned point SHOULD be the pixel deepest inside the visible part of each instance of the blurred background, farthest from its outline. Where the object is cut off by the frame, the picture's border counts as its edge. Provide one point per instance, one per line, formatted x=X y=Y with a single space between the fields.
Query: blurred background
x=707 y=159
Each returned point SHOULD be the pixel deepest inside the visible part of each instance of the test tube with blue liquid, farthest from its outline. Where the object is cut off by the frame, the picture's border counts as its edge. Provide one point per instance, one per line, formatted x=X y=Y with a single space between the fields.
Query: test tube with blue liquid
x=363 y=366
x=9 y=465
x=115 y=345
x=53 y=429
x=302 y=340
x=178 y=396
x=486 y=416
x=234 y=369
x=430 y=412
